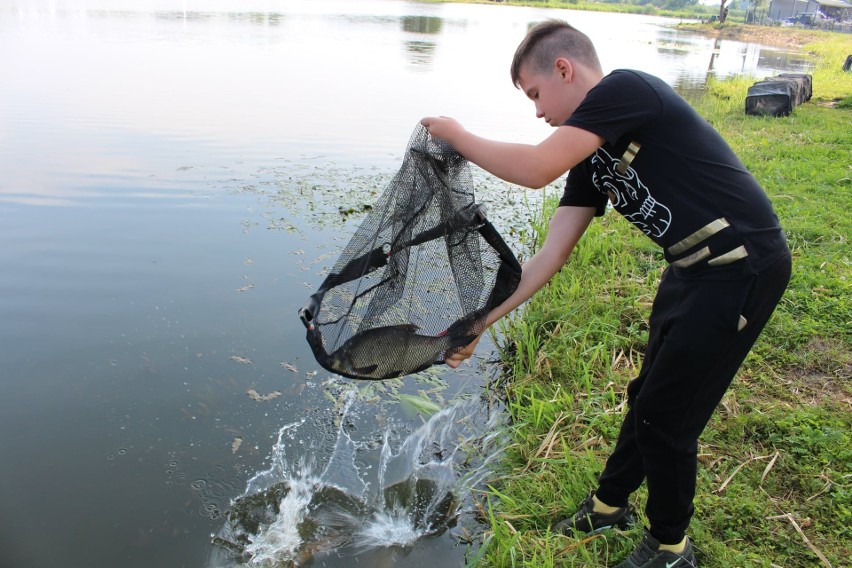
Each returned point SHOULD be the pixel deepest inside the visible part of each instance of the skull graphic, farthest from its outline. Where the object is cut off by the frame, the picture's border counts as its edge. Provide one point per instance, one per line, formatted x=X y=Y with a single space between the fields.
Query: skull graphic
x=629 y=196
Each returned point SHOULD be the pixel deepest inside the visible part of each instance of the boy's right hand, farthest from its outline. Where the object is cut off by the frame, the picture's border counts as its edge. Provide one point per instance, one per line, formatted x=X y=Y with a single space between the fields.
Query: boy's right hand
x=443 y=127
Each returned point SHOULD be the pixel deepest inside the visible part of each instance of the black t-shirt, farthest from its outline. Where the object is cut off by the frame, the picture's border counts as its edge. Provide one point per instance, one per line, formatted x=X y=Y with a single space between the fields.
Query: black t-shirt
x=672 y=175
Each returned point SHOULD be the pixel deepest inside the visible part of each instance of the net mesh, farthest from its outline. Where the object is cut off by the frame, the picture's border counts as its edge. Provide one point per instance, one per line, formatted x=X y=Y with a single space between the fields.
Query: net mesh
x=417 y=278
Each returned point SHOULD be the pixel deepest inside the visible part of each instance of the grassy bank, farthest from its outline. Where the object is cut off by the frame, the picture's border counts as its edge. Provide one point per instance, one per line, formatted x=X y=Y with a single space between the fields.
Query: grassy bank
x=775 y=472
x=689 y=12
x=696 y=11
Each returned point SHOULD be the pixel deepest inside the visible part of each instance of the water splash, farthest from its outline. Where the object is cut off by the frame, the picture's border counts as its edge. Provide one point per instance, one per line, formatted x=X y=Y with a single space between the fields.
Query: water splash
x=281 y=538
x=389 y=489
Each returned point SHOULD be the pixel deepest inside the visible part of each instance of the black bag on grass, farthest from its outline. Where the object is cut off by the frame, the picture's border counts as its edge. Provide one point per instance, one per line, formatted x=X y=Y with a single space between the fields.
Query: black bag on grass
x=770 y=98
x=418 y=277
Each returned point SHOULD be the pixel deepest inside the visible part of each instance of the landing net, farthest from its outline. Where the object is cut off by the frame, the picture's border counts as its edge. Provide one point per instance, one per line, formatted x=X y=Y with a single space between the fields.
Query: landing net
x=418 y=277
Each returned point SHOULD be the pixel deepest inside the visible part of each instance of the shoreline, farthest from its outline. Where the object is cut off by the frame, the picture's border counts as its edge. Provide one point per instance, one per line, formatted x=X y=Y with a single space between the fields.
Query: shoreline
x=792 y=38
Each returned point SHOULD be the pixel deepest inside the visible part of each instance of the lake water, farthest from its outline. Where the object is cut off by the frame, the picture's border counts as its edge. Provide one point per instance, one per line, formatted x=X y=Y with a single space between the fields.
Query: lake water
x=171 y=180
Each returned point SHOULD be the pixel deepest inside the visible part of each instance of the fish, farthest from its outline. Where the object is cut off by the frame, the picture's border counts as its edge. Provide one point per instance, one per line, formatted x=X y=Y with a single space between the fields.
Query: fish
x=387 y=352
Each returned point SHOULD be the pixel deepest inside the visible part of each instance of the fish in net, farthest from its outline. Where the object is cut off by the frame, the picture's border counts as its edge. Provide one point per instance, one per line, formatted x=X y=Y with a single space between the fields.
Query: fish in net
x=419 y=276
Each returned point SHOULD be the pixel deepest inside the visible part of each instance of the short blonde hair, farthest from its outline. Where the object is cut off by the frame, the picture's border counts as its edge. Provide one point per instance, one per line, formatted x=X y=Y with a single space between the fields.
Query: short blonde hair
x=549 y=40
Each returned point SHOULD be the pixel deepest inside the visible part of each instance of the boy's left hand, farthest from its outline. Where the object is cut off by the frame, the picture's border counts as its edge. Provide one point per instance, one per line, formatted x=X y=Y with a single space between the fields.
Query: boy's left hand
x=466 y=352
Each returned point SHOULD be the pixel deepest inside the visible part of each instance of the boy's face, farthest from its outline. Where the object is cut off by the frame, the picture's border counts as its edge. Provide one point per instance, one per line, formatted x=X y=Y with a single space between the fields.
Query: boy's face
x=554 y=92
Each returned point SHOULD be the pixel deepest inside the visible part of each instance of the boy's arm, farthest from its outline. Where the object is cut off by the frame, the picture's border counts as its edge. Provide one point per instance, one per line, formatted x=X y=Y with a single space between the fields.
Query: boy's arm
x=528 y=165
x=566 y=227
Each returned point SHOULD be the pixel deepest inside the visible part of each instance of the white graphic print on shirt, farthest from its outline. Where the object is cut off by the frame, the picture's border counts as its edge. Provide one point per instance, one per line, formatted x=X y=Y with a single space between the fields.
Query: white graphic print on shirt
x=629 y=195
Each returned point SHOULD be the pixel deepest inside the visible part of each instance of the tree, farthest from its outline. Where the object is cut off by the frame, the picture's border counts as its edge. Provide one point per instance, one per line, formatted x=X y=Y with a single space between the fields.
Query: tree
x=723 y=11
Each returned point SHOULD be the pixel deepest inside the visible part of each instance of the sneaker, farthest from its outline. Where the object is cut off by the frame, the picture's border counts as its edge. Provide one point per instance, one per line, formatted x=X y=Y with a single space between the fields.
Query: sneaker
x=649 y=555
x=587 y=521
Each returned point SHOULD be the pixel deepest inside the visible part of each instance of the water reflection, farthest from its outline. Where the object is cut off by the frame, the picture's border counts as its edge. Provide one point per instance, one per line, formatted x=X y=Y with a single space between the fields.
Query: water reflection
x=251 y=18
x=421 y=51
x=715 y=53
x=422 y=24
x=693 y=59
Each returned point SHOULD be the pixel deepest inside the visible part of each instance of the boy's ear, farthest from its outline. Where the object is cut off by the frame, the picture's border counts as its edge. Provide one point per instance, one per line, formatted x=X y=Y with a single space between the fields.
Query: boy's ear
x=564 y=67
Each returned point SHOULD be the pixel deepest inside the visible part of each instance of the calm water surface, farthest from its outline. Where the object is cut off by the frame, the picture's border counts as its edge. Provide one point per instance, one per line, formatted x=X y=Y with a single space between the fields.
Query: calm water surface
x=171 y=175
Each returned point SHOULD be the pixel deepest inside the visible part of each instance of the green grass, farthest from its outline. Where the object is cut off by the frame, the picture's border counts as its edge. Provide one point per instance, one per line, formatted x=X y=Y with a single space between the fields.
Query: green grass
x=775 y=471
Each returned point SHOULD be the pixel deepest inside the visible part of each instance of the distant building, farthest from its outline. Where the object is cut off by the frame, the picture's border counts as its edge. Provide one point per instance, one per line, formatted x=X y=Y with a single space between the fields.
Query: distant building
x=835 y=9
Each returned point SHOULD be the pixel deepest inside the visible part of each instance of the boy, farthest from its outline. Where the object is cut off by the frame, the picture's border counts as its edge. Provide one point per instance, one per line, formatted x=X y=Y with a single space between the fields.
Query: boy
x=627 y=137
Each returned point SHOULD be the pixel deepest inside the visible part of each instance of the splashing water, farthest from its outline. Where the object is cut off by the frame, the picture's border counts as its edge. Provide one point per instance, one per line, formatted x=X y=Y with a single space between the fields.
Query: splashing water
x=282 y=536
x=386 y=529
x=387 y=491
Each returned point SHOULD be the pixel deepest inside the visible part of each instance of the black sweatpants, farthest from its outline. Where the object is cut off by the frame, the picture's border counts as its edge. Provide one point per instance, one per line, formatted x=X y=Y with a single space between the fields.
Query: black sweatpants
x=695 y=348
